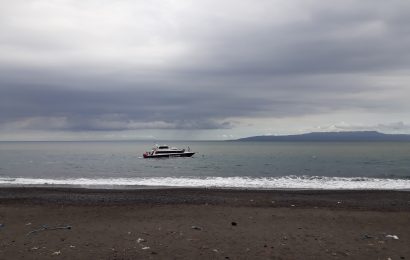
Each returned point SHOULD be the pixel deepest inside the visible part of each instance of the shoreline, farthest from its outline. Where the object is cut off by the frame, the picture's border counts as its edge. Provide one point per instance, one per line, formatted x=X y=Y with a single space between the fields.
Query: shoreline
x=289 y=182
x=107 y=187
x=75 y=223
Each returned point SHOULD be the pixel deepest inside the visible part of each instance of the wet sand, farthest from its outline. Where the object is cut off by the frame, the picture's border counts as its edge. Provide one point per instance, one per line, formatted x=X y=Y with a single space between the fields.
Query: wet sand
x=203 y=224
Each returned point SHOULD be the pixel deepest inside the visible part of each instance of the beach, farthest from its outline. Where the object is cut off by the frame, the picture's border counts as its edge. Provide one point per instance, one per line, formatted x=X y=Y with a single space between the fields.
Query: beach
x=77 y=223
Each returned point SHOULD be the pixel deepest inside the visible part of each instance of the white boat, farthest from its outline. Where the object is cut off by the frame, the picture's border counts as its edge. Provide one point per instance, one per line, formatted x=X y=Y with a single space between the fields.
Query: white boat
x=164 y=151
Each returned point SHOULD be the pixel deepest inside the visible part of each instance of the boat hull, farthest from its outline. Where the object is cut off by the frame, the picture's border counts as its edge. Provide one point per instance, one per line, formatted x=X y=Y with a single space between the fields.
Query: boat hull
x=186 y=154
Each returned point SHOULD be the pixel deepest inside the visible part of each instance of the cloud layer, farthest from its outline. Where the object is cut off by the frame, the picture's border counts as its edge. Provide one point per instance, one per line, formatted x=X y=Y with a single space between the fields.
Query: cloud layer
x=129 y=65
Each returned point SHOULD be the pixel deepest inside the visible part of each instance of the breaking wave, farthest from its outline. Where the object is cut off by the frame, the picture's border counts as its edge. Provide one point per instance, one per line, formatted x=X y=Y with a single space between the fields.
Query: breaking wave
x=284 y=182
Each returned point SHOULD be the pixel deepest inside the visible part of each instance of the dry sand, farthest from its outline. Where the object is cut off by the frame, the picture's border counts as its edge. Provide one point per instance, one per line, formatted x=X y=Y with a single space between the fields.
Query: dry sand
x=203 y=224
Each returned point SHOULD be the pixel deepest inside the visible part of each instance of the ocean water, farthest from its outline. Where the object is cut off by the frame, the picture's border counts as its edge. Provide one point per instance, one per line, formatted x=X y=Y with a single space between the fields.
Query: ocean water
x=253 y=165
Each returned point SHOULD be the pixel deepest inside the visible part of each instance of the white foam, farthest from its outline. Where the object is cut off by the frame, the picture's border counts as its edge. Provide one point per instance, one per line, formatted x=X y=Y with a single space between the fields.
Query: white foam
x=285 y=182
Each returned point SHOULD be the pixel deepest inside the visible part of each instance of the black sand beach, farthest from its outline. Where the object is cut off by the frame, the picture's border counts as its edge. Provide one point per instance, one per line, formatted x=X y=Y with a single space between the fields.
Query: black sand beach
x=203 y=224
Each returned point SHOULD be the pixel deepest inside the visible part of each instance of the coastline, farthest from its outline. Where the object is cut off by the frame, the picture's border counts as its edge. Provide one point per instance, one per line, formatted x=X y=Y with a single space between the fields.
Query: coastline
x=187 y=223
x=289 y=182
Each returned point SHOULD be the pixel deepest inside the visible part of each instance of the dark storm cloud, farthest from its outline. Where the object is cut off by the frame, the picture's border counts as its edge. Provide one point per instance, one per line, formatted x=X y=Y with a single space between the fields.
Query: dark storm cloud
x=121 y=110
x=59 y=108
x=197 y=67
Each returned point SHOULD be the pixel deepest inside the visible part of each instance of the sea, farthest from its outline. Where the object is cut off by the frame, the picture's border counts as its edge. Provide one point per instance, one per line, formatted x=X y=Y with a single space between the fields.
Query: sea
x=216 y=164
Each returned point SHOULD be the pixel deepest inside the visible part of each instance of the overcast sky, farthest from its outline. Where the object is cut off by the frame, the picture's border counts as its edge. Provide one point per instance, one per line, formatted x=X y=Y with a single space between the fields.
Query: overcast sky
x=95 y=69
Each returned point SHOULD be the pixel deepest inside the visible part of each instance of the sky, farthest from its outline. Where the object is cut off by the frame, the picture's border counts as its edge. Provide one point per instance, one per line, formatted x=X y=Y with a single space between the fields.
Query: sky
x=202 y=70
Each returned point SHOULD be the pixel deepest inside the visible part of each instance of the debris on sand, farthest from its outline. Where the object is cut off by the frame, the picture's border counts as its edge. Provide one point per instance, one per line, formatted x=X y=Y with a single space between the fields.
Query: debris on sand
x=56 y=253
x=196 y=228
x=141 y=240
x=233 y=223
x=366 y=236
x=46 y=227
x=392 y=236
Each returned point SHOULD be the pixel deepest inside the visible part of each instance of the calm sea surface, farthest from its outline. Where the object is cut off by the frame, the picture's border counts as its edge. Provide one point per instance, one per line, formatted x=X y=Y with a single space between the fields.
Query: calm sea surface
x=379 y=165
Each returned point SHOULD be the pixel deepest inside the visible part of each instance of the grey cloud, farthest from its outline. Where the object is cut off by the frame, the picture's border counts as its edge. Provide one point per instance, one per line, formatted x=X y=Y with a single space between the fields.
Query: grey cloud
x=110 y=109
x=39 y=107
x=198 y=67
x=349 y=37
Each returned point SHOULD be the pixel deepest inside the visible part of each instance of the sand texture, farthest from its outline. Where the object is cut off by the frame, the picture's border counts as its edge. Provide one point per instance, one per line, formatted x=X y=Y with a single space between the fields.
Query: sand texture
x=203 y=224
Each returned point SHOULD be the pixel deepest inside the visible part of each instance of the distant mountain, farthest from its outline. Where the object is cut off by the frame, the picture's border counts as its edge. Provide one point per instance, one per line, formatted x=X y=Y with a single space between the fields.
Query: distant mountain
x=354 y=136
